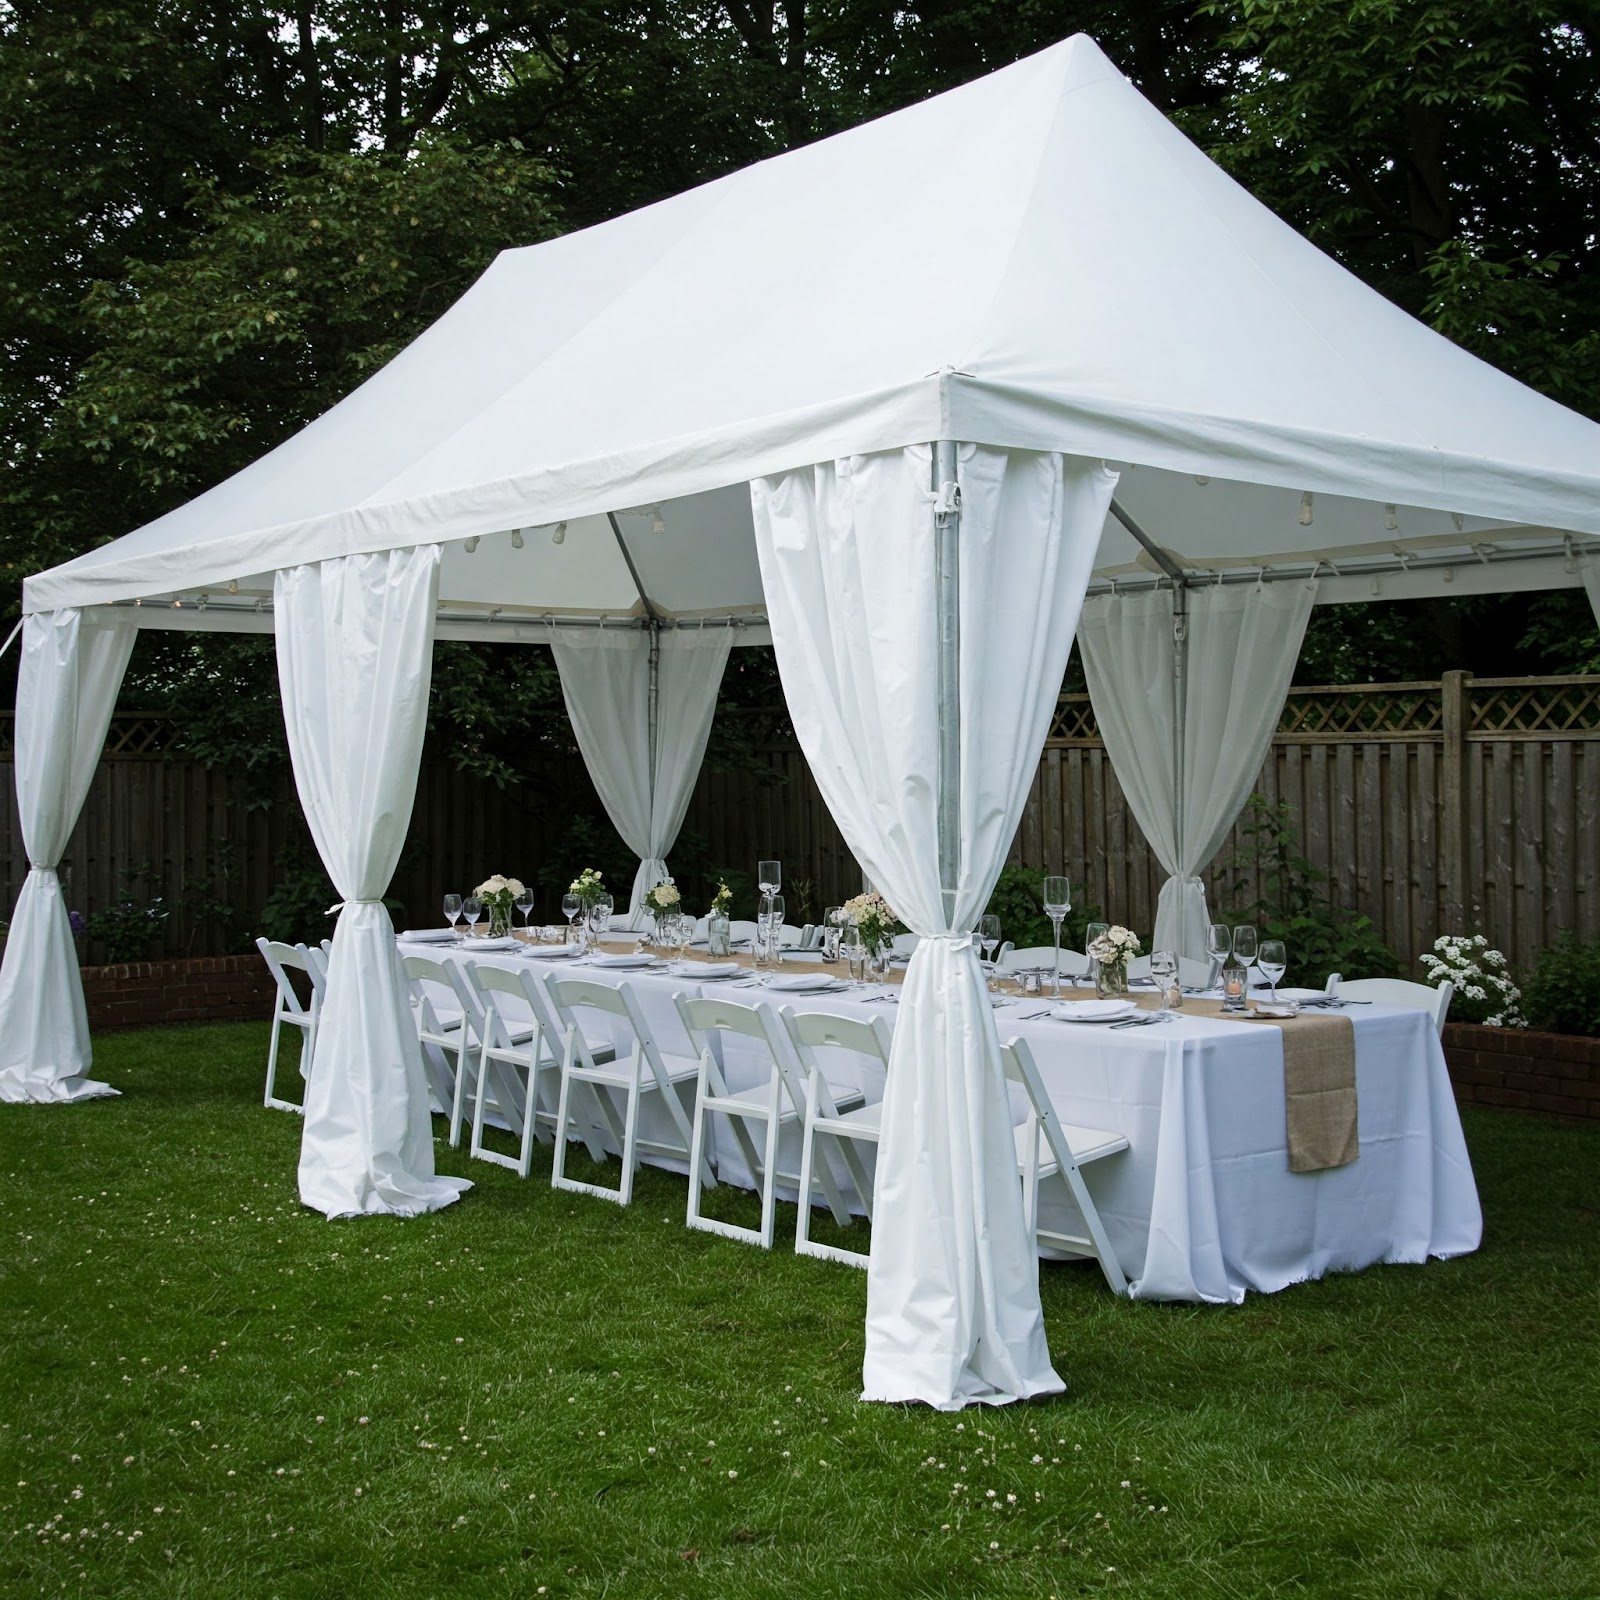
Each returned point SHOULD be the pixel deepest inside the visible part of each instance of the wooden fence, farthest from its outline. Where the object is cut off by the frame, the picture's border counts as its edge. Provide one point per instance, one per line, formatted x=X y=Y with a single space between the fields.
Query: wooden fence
x=1430 y=806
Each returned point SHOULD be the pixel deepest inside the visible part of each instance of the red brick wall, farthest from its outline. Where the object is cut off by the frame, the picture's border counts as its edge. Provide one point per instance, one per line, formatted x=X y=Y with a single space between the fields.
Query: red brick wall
x=136 y=994
x=1556 y=1073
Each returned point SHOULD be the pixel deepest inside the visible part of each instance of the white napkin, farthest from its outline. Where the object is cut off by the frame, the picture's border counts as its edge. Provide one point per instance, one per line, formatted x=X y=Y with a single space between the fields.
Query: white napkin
x=623 y=961
x=429 y=935
x=802 y=982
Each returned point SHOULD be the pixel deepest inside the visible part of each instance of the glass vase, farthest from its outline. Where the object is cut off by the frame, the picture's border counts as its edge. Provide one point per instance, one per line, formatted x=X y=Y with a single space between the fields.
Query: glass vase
x=1111 y=980
x=717 y=937
x=499 y=921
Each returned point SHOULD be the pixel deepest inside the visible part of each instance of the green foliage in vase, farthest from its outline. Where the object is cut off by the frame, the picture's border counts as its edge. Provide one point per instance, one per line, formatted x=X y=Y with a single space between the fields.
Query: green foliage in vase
x=1292 y=903
x=1563 y=992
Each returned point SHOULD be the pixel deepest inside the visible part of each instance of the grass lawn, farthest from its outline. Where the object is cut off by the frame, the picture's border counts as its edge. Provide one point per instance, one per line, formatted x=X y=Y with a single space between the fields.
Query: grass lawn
x=207 y=1391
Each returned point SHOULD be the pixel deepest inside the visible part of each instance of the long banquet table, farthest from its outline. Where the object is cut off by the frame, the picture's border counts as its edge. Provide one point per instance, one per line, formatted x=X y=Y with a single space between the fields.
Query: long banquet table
x=1202 y=1206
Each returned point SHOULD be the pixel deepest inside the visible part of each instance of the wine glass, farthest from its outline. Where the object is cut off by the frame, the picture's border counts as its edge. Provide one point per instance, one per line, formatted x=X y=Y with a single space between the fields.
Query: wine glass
x=1244 y=947
x=571 y=905
x=600 y=916
x=1163 y=968
x=452 y=912
x=770 y=928
x=472 y=909
x=1219 y=946
x=683 y=934
x=989 y=938
x=524 y=904
x=832 y=928
x=1090 y=934
x=1057 y=903
x=1273 y=961
x=855 y=952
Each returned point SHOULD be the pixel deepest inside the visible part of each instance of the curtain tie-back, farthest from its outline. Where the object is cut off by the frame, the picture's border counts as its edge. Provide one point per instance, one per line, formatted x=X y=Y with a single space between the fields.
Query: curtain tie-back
x=339 y=905
x=956 y=941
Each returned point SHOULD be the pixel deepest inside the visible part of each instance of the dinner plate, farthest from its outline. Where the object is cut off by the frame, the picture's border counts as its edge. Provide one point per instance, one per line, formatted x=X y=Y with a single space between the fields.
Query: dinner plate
x=483 y=946
x=708 y=969
x=429 y=935
x=803 y=982
x=1285 y=993
x=552 y=952
x=1093 y=1010
x=639 y=960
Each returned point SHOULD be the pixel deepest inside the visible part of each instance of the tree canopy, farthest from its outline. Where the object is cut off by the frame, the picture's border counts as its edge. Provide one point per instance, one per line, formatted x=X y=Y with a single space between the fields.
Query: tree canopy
x=215 y=219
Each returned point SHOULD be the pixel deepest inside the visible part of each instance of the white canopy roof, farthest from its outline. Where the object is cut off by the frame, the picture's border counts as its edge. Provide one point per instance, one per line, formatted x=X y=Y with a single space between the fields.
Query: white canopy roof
x=1036 y=260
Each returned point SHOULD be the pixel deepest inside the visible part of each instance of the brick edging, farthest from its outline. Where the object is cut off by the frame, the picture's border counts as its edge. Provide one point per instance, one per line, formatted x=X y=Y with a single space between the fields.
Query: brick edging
x=141 y=994
x=1522 y=1070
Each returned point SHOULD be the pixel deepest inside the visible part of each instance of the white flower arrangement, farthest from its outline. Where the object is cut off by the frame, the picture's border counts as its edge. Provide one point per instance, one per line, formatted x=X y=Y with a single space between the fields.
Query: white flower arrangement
x=1116 y=947
x=1480 y=977
x=663 y=898
x=872 y=914
x=498 y=894
x=588 y=886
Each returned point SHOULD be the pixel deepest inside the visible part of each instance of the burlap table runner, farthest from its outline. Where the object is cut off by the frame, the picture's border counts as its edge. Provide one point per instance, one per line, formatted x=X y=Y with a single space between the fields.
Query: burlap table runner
x=1319 y=1061
x=1319 y=1080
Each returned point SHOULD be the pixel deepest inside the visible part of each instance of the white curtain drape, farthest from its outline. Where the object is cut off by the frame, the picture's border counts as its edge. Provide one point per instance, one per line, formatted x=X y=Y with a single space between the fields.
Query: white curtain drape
x=1591 y=577
x=67 y=681
x=847 y=564
x=605 y=680
x=355 y=659
x=1243 y=644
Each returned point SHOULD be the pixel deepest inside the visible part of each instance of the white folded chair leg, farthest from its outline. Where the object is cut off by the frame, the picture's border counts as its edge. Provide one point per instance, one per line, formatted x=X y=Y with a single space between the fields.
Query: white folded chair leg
x=646 y=1070
x=773 y=1105
x=842 y=1129
x=514 y=1058
x=1046 y=1148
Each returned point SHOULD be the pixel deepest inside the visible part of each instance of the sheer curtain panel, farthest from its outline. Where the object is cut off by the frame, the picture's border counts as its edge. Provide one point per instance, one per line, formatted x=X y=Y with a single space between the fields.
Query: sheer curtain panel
x=644 y=785
x=355 y=658
x=1243 y=643
x=847 y=564
x=67 y=681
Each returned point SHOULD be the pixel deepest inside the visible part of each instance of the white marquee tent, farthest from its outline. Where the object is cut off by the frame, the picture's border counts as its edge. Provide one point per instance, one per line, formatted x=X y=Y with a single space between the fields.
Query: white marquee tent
x=872 y=399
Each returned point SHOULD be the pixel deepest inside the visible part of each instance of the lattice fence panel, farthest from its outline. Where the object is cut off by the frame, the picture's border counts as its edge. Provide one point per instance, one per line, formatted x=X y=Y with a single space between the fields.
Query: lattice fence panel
x=1547 y=708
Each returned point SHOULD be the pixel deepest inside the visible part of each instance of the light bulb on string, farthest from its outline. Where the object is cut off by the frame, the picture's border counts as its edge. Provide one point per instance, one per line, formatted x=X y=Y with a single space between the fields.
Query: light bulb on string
x=1305 y=509
x=558 y=533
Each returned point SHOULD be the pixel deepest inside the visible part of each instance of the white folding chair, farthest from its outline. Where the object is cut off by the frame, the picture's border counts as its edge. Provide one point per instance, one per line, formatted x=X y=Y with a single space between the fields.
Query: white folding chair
x=1047 y=1147
x=906 y=943
x=451 y=1027
x=811 y=1032
x=573 y=996
x=775 y=1104
x=741 y=933
x=811 y=936
x=509 y=1070
x=1074 y=964
x=1397 y=992
x=287 y=1006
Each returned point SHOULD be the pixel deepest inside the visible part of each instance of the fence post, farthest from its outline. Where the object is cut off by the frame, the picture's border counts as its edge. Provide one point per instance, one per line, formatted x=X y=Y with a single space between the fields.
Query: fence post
x=1456 y=697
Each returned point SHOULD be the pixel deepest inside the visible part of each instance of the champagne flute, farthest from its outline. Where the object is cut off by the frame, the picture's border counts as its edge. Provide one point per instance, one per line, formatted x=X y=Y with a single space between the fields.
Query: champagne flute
x=1163 y=968
x=855 y=952
x=1092 y=932
x=769 y=879
x=452 y=912
x=1244 y=947
x=683 y=935
x=524 y=904
x=571 y=905
x=600 y=916
x=1057 y=903
x=772 y=928
x=472 y=909
x=1274 y=962
x=989 y=939
x=1219 y=946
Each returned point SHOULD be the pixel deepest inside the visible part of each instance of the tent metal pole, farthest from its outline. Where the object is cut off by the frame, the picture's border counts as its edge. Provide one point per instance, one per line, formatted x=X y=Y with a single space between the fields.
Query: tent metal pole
x=11 y=638
x=947 y=599
x=1180 y=661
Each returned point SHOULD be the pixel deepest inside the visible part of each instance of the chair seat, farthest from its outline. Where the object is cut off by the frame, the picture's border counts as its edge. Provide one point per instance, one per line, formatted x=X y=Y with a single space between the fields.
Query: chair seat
x=758 y=1096
x=862 y=1123
x=1087 y=1144
x=679 y=1069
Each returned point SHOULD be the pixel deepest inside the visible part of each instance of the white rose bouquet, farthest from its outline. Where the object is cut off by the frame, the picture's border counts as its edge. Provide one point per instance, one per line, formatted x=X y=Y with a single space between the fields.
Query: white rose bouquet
x=1113 y=950
x=871 y=913
x=1484 y=990
x=663 y=898
x=588 y=886
x=499 y=894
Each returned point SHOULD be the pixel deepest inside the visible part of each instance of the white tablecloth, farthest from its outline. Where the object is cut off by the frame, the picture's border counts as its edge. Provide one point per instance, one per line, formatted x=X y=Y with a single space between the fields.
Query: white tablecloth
x=1202 y=1206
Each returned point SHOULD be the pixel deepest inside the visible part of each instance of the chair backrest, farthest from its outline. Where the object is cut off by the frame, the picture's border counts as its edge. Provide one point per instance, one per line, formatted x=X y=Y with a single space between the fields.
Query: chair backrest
x=818 y=1030
x=811 y=936
x=570 y=995
x=1192 y=974
x=738 y=931
x=283 y=958
x=1397 y=992
x=789 y=936
x=1073 y=963
x=710 y=1014
x=497 y=984
x=906 y=943
x=427 y=976
x=1017 y=1059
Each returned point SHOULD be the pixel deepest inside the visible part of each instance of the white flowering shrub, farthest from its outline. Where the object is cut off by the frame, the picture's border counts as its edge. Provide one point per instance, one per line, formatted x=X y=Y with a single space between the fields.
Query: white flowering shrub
x=1484 y=990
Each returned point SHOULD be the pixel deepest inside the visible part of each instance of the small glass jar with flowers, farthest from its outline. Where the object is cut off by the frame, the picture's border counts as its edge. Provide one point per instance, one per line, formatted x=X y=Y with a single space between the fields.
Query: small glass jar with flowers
x=499 y=895
x=1111 y=953
x=662 y=901
x=719 y=941
x=878 y=925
